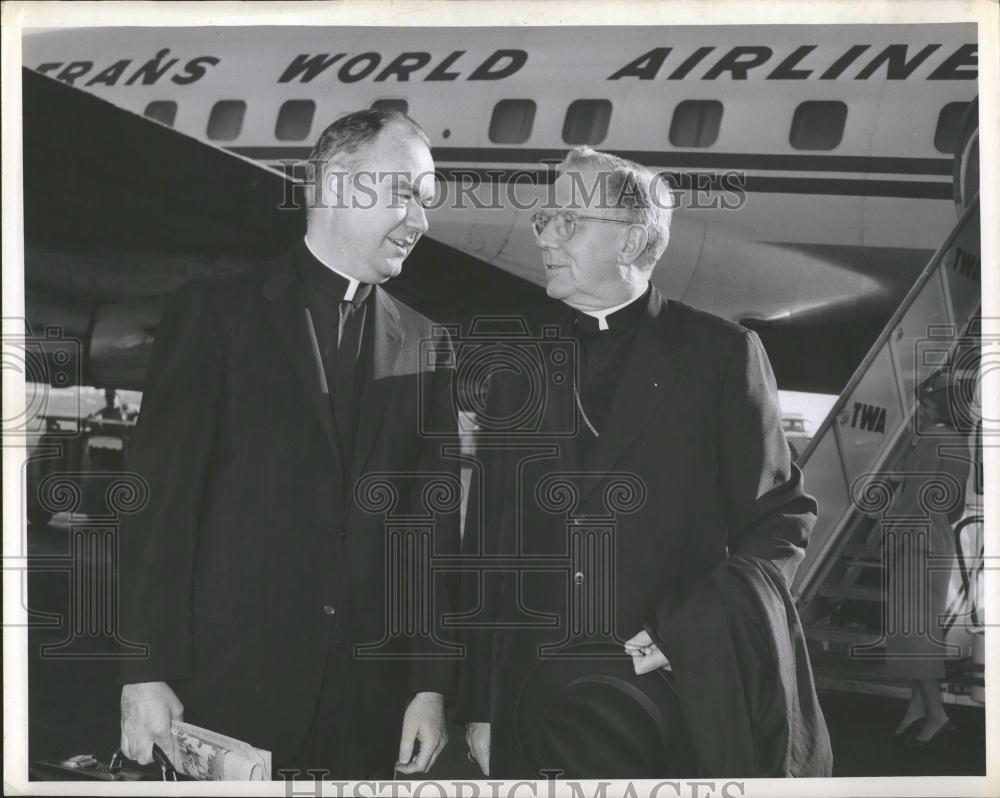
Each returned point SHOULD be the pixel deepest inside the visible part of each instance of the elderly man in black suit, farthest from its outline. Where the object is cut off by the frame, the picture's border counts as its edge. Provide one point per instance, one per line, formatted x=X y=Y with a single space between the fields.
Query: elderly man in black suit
x=257 y=572
x=662 y=640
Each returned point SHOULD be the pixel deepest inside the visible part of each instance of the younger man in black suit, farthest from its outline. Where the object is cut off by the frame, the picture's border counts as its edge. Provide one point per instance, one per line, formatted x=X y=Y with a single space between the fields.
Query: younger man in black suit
x=253 y=573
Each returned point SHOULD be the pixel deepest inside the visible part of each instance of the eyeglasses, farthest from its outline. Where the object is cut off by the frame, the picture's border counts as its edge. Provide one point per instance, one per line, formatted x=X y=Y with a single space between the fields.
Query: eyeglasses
x=564 y=222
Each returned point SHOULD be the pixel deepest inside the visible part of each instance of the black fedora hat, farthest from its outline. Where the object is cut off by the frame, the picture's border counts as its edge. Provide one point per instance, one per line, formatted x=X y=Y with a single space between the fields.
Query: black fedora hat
x=585 y=714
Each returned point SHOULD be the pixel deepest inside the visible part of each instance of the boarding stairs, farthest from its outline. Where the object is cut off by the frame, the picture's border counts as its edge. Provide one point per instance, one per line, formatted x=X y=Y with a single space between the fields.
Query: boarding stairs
x=840 y=587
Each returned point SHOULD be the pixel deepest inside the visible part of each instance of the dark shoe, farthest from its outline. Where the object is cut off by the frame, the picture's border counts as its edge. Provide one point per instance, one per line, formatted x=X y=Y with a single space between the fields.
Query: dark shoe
x=911 y=728
x=946 y=729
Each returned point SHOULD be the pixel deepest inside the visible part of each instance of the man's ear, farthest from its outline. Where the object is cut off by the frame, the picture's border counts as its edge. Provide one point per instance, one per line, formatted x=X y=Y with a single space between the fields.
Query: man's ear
x=634 y=244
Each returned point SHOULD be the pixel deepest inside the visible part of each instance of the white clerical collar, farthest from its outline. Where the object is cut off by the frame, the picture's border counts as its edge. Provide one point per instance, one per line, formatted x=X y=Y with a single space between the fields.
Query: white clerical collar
x=352 y=282
x=602 y=315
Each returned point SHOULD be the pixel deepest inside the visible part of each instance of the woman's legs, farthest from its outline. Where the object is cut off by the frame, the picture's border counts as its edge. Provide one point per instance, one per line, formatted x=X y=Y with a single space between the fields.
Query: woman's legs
x=914 y=710
x=935 y=716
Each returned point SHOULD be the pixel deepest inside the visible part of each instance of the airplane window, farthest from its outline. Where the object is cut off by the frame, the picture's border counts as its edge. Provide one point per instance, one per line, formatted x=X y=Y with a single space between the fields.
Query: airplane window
x=164 y=111
x=818 y=125
x=392 y=105
x=295 y=120
x=949 y=127
x=512 y=121
x=226 y=120
x=587 y=122
x=696 y=123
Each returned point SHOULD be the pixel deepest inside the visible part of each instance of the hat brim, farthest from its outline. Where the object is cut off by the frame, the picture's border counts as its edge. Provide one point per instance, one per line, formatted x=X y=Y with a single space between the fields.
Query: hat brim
x=586 y=714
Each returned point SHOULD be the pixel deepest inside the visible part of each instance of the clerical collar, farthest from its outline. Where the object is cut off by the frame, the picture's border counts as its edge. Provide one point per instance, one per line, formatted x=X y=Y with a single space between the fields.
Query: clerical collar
x=615 y=319
x=330 y=281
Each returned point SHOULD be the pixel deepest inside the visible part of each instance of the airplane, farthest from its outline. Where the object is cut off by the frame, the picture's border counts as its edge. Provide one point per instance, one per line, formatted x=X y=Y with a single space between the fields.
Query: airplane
x=817 y=167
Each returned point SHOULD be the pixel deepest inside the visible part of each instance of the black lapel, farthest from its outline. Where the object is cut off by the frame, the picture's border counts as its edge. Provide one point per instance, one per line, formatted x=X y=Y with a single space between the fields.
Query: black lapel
x=654 y=361
x=285 y=310
x=387 y=344
x=560 y=413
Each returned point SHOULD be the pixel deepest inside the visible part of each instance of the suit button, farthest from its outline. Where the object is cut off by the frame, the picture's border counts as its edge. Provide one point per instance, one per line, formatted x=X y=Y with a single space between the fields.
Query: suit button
x=578 y=577
x=329 y=609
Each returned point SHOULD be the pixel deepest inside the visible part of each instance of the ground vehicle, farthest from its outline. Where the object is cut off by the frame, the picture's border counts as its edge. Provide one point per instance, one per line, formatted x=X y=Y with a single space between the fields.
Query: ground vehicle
x=64 y=454
x=798 y=432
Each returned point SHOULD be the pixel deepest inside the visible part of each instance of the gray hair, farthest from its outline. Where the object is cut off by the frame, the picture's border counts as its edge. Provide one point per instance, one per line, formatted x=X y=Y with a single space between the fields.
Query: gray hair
x=632 y=187
x=355 y=131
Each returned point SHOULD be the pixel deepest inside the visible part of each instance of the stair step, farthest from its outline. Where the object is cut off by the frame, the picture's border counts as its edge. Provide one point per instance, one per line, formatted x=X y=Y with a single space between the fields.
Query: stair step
x=872 y=668
x=853 y=592
x=858 y=563
x=858 y=552
x=841 y=634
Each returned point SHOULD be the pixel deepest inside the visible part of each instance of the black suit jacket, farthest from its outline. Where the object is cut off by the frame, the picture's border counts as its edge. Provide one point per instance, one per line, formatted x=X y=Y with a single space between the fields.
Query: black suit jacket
x=248 y=537
x=692 y=467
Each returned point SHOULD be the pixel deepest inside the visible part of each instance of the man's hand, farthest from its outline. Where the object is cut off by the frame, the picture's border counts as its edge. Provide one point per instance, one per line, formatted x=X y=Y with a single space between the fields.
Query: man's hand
x=424 y=723
x=148 y=708
x=477 y=737
x=646 y=657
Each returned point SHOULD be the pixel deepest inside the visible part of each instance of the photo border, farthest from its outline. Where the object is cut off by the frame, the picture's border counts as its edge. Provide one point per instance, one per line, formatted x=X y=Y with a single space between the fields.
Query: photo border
x=18 y=16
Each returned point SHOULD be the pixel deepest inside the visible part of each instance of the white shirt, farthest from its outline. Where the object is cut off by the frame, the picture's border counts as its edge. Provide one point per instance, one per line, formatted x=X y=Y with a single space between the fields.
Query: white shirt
x=602 y=315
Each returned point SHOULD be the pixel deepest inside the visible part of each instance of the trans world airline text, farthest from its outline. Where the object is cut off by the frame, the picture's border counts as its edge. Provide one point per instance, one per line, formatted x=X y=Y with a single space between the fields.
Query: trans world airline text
x=805 y=62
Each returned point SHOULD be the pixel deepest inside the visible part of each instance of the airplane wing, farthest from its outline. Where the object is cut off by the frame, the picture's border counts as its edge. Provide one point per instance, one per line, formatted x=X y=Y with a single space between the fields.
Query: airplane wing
x=96 y=175
x=118 y=212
